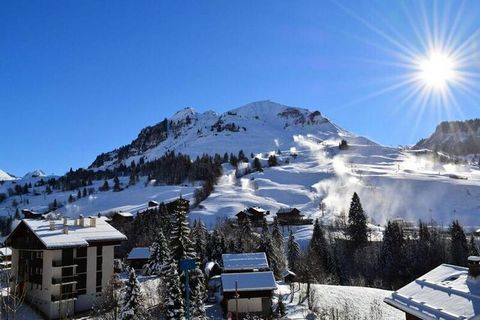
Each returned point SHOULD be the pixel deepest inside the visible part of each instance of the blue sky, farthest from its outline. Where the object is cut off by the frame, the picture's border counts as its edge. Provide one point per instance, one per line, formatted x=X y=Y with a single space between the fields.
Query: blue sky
x=78 y=78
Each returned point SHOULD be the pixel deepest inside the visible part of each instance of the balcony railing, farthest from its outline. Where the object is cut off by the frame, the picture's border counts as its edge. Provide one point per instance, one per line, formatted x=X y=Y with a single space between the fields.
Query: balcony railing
x=63 y=263
x=64 y=279
x=64 y=296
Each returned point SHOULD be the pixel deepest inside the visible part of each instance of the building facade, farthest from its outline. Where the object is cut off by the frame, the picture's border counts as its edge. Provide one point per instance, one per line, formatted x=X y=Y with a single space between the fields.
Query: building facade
x=62 y=266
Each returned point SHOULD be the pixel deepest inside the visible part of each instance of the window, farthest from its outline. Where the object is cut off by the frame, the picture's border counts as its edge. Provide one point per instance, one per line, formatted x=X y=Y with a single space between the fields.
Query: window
x=99 y=250
x=99 y=279
x=81 y=252
x=99 y=263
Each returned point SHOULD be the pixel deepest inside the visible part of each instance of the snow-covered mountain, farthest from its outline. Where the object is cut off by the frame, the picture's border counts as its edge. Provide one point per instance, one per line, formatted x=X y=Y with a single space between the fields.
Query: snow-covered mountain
x=460 y=138
x=391 y=182
x=257 y=127
x=5 y=176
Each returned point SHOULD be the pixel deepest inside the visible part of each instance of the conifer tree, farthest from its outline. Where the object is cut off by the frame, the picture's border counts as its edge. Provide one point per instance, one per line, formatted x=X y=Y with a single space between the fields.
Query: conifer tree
x=272 y=161
x=357 y=229
x=318 y=245
x=267 y=245
x=293 y=251
x=79 y=194
x=173 y=300
x=84 y=192
x=257 y=164
x=160 y=254
x=197 y=305
x=116 y=185
x=199 y=234
x=393 y=254
x=472 y=247
x=459 y=246
x=132 y=306
x=180 y=242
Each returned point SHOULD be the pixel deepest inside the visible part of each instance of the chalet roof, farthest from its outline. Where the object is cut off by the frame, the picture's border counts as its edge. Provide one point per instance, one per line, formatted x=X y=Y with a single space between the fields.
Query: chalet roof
x=139 y=253
x=248 y=281
x=258 y=209
x=244 y=261
x=446 y=292
x=286 y=210
x=77 y=236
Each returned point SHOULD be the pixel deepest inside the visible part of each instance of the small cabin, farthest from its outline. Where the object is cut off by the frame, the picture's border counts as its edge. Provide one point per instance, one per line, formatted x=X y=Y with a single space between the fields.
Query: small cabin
x=255 y=214
x=291 y=216
x=29 y=214
x=121 y=217
x=288 y=276
x=138 y=257
x=247 y=283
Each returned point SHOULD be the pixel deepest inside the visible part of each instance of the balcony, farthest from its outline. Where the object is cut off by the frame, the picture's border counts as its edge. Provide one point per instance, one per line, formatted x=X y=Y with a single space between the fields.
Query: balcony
x=64 y=279
x=63 y=263
x=64 y=296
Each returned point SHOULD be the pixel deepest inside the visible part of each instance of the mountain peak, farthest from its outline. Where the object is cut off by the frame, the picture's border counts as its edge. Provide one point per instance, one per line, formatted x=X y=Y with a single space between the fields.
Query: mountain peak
x=5 y=176
x=183 y=114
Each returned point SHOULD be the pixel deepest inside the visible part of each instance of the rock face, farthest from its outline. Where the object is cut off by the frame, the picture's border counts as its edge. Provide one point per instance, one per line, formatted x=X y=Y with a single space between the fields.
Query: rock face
x=458 y=138
x=256 y=127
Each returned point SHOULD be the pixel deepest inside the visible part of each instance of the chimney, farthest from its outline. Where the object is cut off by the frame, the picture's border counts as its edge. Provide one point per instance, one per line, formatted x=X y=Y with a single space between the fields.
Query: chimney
x=474 y=268
x=81 y=220
x=65 y=221
x=52 y=225
x=93 y=222
x=65 y=229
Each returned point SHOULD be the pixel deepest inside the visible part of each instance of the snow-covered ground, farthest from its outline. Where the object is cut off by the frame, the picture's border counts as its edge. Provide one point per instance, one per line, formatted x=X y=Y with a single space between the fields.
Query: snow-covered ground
x=351 y=302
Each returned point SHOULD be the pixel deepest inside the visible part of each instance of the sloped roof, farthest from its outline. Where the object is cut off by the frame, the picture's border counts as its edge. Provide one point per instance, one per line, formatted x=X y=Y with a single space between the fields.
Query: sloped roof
x=443 y=293
x=139 y=253
x=248 y=281
x=124 y=214
x=244 y=261
x=77 y=235
x=5 y=251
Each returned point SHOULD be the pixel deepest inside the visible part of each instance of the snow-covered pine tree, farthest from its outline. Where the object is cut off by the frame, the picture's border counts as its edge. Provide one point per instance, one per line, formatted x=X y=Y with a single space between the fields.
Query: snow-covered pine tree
x=472 y=247
x=132 y=305
x=459 y=246
x=173 y=300
x=180 y=242
x=160 y=254
x=357 y=229
x=200 y=233
x=197 y=297
x=267 y=245
x=393 y=254
x=293 y=251
x=246 y=236
x=278 y=244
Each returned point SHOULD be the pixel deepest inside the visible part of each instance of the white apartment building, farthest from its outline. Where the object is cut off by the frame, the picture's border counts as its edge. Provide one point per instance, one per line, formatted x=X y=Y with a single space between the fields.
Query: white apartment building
x=63 y=265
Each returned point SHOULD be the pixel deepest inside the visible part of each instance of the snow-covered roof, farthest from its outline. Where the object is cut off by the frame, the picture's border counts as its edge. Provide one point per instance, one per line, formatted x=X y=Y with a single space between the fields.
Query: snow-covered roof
x=446 y=293
x=5 y=251
x=285 y=210
x=139 y=253
x=248 y=281
x=244 y=261
x=76 y=236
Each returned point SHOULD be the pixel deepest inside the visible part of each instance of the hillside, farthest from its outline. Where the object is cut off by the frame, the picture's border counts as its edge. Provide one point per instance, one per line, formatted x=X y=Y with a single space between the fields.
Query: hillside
x=460 y=138
x=311 y=169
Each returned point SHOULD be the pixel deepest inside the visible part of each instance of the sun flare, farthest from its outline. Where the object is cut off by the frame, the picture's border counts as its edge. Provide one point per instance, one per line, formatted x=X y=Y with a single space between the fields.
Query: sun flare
x=437 y=70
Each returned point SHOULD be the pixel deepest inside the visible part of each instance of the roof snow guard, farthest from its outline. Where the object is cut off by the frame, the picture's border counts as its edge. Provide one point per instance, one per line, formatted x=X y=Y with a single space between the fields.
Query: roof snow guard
x=77 y=236
x=446 y=292
x=248 y=281
x=244 y=261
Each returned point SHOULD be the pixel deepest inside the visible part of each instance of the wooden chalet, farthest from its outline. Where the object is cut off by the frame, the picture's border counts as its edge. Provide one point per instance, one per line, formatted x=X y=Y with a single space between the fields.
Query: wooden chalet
x=153 y=203
x=247 y=284
x=447 y=292
x=138 y=257
x=255 y=214
x=291 y=216
x=29 y=214
x=121 y=217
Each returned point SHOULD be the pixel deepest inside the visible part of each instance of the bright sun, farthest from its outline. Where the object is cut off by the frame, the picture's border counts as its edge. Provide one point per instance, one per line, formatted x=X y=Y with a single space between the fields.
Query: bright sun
x=436 y=70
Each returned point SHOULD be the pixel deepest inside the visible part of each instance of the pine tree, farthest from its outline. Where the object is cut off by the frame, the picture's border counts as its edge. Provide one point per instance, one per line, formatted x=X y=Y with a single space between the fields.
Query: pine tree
x=84 y=192
x=105 y=186
x=79 y=194
x=246 y=241
x=257 y=164
x=116 y=185
x=267 y=245
x=318 y=245
x=393 y=254
x=160 y=254
x=293 y=251
x=180 y=242
x=132 y=306
x=197 y=305
x=71 y=199
x=357 y=229
x=199 y=234
x=459 y=246
x=279 y=245
x=272 y=161
x=173 y=299
x=472 y=247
